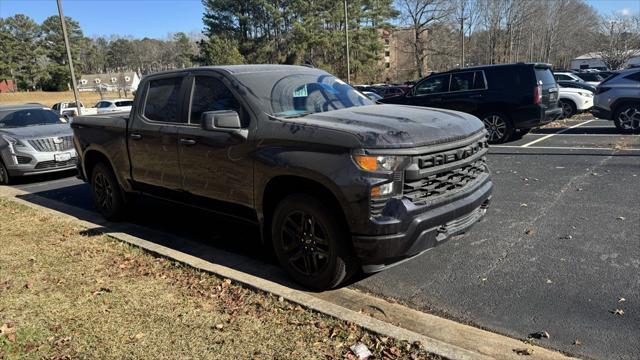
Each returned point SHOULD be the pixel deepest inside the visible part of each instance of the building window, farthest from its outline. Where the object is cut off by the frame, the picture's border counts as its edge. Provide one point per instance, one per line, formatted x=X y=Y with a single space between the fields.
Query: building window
x=83 y=82
x=114 y=80
x=387 y=65
x=126 y=78
x=387 y=53
x=97 y=81
x=386 y=41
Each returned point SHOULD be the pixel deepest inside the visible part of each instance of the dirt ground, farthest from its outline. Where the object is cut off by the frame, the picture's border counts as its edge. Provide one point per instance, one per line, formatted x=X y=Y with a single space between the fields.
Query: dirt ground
x=89 y=99
x=70 y=293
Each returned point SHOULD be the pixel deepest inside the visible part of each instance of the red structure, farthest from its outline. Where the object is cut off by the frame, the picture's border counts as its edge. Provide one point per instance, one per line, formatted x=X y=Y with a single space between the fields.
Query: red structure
x=7 y=86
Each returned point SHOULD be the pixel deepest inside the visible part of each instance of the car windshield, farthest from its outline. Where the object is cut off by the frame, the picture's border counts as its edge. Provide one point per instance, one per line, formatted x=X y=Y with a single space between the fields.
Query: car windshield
x=304 y=94
x=28 y=117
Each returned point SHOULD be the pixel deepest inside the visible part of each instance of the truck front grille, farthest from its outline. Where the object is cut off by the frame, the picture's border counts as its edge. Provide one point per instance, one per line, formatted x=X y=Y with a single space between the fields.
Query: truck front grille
x=445 y=183
x=52 y=144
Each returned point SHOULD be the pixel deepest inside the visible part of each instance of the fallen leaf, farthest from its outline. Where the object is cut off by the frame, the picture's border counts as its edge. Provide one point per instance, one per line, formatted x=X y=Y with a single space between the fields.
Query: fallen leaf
x=540 y=335
x=28 y=285
x=139 y=336
x=566 y=237
x=219 y=326
x=523 y=205
x=617 y=312
x=8 y=330
x=530 y=232
x=621 y=218
x=524 y=352
x=101 y=291
x=577 y=342
x=361 y=351
x=622 y=300
x=549 y=281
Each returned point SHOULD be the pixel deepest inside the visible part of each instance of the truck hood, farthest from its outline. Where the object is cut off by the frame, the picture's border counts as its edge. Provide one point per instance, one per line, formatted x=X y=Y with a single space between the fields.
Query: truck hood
x=38 y=131
x=397 y=126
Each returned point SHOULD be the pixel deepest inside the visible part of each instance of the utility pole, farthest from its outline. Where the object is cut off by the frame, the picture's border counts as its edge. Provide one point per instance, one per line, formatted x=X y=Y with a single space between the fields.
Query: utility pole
x=346 y=32
x=66 y=44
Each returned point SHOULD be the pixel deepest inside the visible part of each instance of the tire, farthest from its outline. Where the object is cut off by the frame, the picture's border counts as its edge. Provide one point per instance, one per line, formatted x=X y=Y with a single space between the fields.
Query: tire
x=311 y=244
x=5 y=178
x=108 y=197
x=499 y=127
x=627 y=118
x=568 y=108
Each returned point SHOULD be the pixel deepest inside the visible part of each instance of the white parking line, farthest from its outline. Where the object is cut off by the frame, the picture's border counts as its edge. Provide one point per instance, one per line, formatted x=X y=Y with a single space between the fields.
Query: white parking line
x=561 y=148
x=559 y=132
x=616 y=135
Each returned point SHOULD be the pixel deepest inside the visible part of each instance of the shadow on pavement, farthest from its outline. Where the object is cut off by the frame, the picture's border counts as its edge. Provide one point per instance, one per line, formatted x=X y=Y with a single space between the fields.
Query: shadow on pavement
x=208 y=236
x=25 y=180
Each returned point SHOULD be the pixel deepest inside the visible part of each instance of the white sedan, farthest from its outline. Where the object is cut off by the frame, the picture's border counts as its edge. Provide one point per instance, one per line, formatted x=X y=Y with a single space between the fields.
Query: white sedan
x=113 y=105
x=574 y=101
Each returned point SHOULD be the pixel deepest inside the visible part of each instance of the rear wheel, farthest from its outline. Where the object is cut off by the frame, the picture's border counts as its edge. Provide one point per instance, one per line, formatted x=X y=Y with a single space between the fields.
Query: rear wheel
x=108 y=197
x=311 y=244
x=499 y=127
x=627 y=118
x=5 y=178
x=568 y=108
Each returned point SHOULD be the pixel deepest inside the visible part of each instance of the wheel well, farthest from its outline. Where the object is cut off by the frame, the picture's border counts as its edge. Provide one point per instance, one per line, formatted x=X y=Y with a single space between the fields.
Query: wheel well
x=92 y=158
x=619 y=104
x=280 y=187
x=570 y=102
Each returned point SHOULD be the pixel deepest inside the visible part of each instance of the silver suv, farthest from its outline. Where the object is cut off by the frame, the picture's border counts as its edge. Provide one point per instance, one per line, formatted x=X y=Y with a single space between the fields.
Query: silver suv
x=33 y=140
x=618 y=99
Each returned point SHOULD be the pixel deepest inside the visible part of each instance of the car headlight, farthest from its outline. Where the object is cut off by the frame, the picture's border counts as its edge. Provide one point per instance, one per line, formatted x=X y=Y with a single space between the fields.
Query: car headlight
x=380 y=163
x=13 y=142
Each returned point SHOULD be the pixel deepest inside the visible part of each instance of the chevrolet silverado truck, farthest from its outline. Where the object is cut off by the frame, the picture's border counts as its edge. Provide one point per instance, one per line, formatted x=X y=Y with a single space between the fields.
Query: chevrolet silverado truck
x=335 y=182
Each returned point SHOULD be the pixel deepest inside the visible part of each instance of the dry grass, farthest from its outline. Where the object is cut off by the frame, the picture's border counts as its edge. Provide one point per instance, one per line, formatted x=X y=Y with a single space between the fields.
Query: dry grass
x=50 y=98
x=69 y=293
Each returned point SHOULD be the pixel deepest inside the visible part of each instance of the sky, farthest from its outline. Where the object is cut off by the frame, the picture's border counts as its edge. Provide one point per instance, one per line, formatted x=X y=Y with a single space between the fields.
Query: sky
x=158 y=18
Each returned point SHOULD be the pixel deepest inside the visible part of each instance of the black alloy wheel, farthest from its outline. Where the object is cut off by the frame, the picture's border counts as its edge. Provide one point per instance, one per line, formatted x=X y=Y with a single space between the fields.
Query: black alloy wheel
x=108 y=197
x=5 y=179
x=499 y=128
x=312 y=243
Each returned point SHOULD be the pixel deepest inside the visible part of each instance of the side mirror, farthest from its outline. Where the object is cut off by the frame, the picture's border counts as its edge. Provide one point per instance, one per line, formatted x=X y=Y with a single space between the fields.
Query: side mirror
x=223 y=120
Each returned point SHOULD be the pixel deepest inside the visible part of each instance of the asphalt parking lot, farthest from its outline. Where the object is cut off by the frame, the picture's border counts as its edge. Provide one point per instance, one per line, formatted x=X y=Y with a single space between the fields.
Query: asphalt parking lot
x=559 y=248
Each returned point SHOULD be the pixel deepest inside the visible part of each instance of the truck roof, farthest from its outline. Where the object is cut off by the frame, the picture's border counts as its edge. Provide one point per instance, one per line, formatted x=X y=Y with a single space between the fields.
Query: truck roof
x=246 y=69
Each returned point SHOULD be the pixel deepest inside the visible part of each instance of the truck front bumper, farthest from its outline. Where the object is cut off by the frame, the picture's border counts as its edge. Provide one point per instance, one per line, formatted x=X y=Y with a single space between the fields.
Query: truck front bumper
x=427 y=228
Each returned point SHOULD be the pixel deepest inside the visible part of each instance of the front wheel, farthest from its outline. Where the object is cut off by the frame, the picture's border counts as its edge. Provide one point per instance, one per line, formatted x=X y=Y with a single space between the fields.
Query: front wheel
x=627 y=118
x=499 y=127
x=5 y=179
x=311 y=244
x=108 y=197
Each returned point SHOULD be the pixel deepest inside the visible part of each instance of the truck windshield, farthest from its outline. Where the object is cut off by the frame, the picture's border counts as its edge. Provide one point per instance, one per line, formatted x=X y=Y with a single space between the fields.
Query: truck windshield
x=28 y=117
x=303 y=94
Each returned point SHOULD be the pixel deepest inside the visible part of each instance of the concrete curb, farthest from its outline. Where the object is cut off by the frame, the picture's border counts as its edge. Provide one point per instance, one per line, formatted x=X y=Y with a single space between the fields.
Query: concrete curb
x=439 y=336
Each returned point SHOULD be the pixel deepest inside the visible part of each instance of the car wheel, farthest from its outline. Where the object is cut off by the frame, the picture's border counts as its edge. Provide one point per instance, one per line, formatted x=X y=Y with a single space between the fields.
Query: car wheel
x=568 y=109
x=627 y=118
x=5 y=178
x=311 y=244
x=108 y=197
x=499 y=127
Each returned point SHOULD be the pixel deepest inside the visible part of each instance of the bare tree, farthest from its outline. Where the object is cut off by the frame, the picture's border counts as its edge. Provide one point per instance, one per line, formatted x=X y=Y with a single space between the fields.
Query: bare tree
x=623 y=40
x=419 y=15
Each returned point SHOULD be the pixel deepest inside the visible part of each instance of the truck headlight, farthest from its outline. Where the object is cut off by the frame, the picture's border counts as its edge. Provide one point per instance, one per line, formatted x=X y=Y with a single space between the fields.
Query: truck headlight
x=380 y=163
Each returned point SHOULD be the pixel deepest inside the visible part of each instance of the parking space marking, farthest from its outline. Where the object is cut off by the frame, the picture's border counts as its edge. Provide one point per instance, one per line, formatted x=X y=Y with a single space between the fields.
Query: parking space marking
x=617 y=135
x=561 y=148
x=559 y=132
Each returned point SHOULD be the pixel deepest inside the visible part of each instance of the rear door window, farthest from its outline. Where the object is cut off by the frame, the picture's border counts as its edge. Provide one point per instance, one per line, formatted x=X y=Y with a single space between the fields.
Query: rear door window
x=433 y=85
x=124 y=103
x=210 y=94
x=162 y=100
x=479 y=82
x=462 y=81
x=545 y=75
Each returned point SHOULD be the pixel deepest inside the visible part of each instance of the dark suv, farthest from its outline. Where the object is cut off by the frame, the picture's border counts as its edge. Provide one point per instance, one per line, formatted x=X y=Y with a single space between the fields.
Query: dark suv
x=510 y=99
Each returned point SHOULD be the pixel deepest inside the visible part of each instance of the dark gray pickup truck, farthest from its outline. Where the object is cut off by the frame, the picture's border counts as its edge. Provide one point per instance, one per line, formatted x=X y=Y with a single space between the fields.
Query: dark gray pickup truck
x=335 y=182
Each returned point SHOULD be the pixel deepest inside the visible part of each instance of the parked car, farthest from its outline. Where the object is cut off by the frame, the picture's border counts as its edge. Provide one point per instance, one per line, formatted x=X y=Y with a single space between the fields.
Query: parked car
x=574 y=101
x=618 y=99
x=590 y=78
x=576 y=85
x=69 y=109
x=334 y=182
x=510 y=99
x=387 y=91
x=372 y=96
x=33 y=140
x=106 y=106
x=606 y=74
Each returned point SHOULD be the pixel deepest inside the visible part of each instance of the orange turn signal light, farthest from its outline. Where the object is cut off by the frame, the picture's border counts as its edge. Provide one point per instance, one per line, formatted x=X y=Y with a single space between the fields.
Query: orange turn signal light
x=369 y=163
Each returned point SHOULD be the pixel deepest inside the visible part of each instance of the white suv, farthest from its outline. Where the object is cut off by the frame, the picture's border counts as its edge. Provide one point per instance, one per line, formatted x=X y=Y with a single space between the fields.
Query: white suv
x=106 y=106
x=574 y=101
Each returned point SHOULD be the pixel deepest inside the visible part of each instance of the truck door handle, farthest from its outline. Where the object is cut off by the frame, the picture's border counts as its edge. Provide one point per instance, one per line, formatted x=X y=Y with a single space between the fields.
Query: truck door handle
x=135 y=136
x=187 y=142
